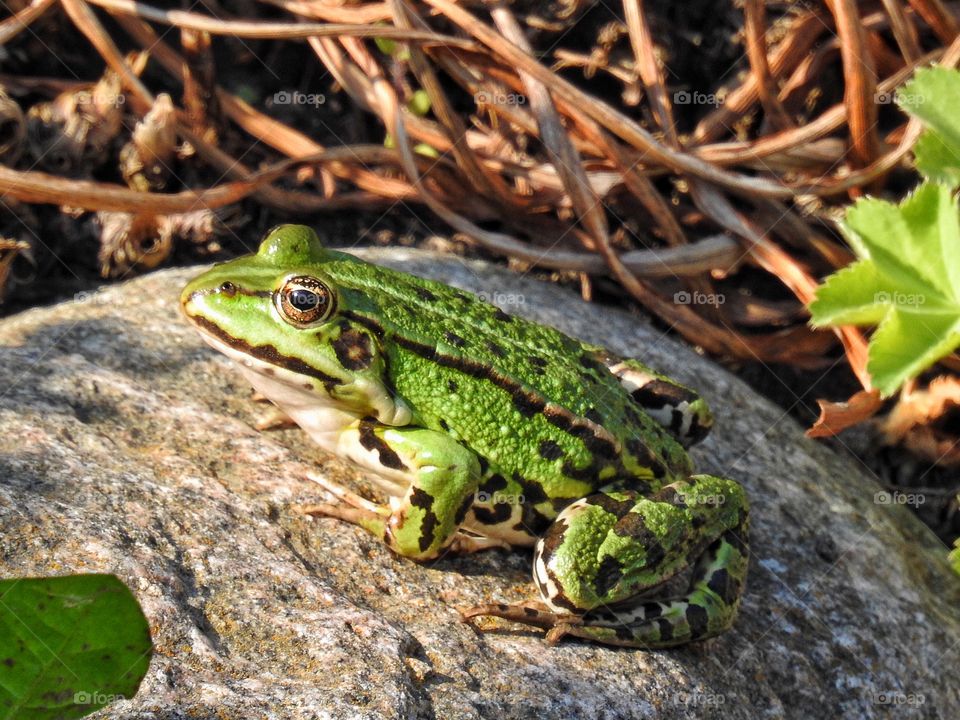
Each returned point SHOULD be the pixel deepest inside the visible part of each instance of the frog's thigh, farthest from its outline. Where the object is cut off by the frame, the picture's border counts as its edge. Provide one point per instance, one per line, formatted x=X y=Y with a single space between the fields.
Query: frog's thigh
x=440 y=477
x=678 y=408
x=607 y=550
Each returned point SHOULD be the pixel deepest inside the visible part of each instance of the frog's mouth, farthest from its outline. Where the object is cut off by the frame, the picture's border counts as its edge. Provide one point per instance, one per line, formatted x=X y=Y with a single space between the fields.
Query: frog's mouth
x=264 y=360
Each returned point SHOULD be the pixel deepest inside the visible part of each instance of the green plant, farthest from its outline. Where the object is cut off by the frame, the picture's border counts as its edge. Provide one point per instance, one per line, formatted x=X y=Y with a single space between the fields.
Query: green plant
x=906 y=279
x=69 y=646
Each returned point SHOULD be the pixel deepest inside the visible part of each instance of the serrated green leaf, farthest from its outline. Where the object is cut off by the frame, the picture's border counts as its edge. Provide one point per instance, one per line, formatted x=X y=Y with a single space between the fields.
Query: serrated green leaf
x=933 y=95
x=69 y=646
x=907 y=342
x=907 y=279
x=931 y=216
x=884 y=229
x=855 y=295
x=937 y=160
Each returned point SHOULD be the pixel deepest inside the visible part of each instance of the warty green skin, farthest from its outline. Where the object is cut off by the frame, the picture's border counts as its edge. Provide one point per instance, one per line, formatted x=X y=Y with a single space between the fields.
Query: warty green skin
x=487 y=430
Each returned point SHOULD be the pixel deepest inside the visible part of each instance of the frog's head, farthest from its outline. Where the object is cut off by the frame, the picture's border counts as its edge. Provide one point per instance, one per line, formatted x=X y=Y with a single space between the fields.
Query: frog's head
x=277 y=312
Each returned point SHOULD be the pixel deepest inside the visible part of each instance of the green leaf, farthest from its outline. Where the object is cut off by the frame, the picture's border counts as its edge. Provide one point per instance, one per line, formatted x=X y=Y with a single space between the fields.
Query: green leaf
x=907 y=280
x=937 y=160
x=855 y=295
x=933 y=95
x=907 y=342
x=69 y=646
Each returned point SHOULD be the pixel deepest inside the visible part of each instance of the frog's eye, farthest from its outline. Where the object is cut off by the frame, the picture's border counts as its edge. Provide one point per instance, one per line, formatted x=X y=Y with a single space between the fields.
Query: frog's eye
x=304 y=300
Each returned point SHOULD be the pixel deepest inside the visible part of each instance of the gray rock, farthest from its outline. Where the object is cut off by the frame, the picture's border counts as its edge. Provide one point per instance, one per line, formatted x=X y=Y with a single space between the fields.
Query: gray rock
x=126 y=445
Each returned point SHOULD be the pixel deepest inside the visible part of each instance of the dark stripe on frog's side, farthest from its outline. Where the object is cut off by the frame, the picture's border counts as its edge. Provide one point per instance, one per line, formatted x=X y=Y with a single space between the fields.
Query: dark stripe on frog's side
x=527 y=403
x=501 y=512
x=267 y=353
x=370 y=441
x=657 y=394
x=609 y=573
x=697 y=619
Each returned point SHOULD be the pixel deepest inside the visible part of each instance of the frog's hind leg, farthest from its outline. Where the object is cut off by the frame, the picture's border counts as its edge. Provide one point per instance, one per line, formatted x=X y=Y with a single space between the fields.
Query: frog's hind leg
x=708 y=608
x=605 y=555
x=678 y=408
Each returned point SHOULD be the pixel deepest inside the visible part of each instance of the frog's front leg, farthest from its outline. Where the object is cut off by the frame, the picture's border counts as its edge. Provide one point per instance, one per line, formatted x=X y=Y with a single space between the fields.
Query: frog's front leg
x=604 y=556
x=432 y=481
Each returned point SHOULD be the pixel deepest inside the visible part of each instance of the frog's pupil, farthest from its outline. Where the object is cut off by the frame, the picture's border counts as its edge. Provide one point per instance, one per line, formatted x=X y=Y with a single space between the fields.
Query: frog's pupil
x=304 y=300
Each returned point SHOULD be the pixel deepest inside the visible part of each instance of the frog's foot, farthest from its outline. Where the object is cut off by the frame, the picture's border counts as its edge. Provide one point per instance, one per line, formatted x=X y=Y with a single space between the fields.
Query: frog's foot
x=356 y=510
x=467 y=543
x=530 y=612
x=272 y=418
x=348 y=496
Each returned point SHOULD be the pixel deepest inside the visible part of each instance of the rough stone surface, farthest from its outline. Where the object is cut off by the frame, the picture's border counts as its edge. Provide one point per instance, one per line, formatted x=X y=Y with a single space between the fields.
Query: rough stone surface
x=127 y=446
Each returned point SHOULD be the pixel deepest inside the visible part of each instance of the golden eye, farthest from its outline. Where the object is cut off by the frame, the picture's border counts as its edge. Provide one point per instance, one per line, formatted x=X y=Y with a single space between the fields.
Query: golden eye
x=304 y=300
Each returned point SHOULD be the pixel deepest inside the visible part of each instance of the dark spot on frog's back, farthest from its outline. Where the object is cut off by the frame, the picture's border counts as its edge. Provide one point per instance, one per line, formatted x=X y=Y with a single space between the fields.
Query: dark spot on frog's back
x=549 y=450
x=425 y=294
x=537 y=361
x=454 y=339
x=353 y=349
x=452 y=386
x=495 y=349
x=501 y=316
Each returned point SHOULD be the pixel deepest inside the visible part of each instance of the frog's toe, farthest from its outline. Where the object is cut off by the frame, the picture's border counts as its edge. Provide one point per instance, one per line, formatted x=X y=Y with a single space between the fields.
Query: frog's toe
x=527 y=613
x=348 y=496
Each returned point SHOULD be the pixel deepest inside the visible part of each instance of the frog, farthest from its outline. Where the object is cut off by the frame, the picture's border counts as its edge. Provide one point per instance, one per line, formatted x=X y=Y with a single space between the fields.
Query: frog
x=482 y=429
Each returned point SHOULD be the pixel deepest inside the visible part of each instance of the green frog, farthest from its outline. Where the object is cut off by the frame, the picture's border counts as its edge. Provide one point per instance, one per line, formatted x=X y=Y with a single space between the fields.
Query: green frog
x=485 y=430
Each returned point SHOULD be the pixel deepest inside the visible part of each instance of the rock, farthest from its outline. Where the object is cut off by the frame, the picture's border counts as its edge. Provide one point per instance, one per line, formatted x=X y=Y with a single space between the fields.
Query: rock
x=127 y=446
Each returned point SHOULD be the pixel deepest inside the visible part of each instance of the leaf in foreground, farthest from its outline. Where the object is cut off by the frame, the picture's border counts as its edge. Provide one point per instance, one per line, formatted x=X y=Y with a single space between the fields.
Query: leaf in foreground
x=69 y=646
x=906 y=280
x=933 y=95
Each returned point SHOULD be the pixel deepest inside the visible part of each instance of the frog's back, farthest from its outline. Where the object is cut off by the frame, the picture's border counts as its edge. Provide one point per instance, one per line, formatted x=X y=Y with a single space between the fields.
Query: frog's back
x=525 y=396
